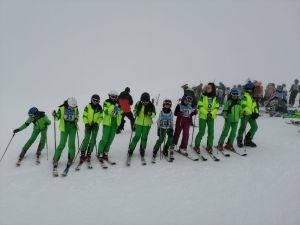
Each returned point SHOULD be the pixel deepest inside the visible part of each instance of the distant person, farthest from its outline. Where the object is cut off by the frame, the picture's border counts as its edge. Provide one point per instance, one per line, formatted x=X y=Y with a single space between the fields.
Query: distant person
x=294 y=90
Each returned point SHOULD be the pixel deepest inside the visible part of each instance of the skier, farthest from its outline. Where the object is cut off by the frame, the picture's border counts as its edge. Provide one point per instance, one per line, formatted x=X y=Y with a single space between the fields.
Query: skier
x=232 y=113
x=144 y=111
x=165 y=127
x=111 y=121
x=92 y=117
x=184 y=112
x=294 y=90
x=277 y=104
x=40 y=124
x=269 y=92
x=208 y=108
x=68 y=117
x=125 y=101
x=250 y=114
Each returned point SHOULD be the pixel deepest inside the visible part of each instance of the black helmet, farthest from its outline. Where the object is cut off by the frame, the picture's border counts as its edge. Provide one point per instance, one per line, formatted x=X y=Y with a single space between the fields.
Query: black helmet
x=127 y=89
x=167 y=102
x=33 y=111
x=95 y=98
x=145 y=98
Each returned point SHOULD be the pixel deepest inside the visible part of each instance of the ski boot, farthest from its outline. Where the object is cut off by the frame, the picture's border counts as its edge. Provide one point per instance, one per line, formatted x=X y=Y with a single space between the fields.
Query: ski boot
x=197 y=149
x=55 y=172
x=21 y=157
x=209 y=150
x=38 y=154
x=220 y=147
x=229 y=147
x=240 y=143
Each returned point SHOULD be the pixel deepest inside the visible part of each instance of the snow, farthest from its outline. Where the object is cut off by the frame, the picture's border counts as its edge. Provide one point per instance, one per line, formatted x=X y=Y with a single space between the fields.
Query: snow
x=262 y=188
x=50 y=50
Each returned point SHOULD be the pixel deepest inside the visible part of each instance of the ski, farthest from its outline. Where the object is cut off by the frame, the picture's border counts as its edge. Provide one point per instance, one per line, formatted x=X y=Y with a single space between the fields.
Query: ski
x=89 y=165
x=18 y=163
x=212 y=156
x=187 y=156
x=200 y=156
x=240 y=154
x=153 y=161
x=224 y=154
x=103 y=164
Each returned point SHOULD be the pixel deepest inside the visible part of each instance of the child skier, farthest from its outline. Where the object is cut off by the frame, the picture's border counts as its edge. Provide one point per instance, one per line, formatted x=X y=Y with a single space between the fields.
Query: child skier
x=111 y=122
x=164 y=127
x=144 y=111
x=68 y=116
x=250 y=114
x=92 y=117
x=232 y=113
x=40 y=123
x=208 y=108
x=183 y=111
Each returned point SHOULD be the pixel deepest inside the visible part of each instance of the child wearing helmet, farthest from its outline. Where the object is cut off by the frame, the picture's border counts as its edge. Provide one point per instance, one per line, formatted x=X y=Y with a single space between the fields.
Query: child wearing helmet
x=92 y=117
x=232 y=114
x=164 y=127
x=40 y=123
x=68 y=116
x=111 y=121
x=144 y=112
x=250 y=114
x=184 y=112
x=208 y=108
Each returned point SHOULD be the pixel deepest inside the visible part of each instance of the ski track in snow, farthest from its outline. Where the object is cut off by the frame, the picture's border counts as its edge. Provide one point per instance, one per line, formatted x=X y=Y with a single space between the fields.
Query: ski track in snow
x=262 y=188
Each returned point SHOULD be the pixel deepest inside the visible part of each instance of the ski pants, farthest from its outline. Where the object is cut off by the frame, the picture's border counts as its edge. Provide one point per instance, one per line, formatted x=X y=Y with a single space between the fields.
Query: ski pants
x=293 y=97
x=202 y=127
x=182 y=125
x=141 y=133
x=89 y=140
x=161 y=139
x=33 y=137
x=108 y=135
x=226 y=128
x=253 y=128
x=69 y=133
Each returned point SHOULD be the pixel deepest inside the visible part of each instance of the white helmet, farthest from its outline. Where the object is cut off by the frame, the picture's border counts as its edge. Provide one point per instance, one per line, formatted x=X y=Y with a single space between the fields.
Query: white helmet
x=72 y=102
x=113 y=94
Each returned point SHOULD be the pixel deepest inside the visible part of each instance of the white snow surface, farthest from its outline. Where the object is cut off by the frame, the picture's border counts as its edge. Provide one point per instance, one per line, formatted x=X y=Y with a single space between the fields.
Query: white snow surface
x=50 y=50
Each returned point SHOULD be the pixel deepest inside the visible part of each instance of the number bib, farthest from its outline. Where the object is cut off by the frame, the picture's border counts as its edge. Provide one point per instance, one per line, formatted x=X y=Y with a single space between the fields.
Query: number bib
x=165 y=120
x=186 y=109
x=69 y=115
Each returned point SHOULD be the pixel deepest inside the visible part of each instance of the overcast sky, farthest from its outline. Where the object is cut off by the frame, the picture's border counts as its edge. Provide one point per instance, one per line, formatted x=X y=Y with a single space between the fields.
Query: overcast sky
x=57 y=48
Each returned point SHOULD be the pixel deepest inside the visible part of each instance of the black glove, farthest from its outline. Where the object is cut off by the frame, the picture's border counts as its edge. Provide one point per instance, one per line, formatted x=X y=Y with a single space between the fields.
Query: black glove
x=95 y=126
x=209 y=115
x=16 y=130
x=88 y=127
x=158 y=132
x=171 y=131
x=254 y=116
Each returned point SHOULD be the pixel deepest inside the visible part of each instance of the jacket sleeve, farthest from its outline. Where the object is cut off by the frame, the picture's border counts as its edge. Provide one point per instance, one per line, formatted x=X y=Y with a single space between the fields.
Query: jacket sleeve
x=177 y=110
x=47 y=121
x=85 y=115
x=135 y=109
x=99 y=120
x=130 y=100
x=58 y=115
x=26 y=124
x=225 y=109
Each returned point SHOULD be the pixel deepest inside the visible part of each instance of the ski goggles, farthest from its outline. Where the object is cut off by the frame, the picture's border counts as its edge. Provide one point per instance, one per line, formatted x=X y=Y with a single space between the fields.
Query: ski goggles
x=145 y=102
x=95 y=100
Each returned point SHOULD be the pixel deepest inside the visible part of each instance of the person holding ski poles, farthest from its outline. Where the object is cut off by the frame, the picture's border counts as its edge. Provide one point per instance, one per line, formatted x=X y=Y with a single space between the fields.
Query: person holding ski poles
x=40 y=123
x=144 y=111
x=68 y=116
x=92 y=117
x=165 y=127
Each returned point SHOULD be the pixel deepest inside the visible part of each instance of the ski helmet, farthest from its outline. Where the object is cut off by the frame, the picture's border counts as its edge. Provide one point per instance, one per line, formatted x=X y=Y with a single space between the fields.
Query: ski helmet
x=33 y=111
x=234 y=92
x=167 y=102
x=72 y=102
x=95 y=98
x=249 y=86
x=145 y=98
x=279 y=88
x=113 y=95
x=127 y=89
x=187 y=98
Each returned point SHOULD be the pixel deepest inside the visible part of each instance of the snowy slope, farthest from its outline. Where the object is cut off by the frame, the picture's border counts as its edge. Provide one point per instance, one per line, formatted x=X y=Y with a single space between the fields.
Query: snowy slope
x=262 y=188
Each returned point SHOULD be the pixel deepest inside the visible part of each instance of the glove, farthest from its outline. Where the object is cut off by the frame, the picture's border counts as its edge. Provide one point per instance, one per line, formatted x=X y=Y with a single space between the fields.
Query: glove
x=225 y=117
x=209 y=115
x=158 y=131
x=149 y=113
x=16 y=131
x=244 y=114
x=88 y=127
x=54 y=113
x=95 y=126
x=254 y=116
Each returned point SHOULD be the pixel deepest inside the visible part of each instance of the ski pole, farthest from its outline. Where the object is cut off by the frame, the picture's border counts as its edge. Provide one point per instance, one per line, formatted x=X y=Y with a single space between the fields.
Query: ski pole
x=245 y=136
x=47 y=146
x=7 y=146
x=131 y=133
x=54 y=133
x=193 y=132
x=160 y=156
x=79 y=147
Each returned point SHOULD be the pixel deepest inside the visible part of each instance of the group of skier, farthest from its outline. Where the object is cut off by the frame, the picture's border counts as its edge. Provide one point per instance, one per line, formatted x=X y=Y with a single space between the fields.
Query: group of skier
x=238 y=109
